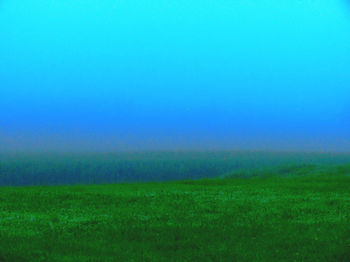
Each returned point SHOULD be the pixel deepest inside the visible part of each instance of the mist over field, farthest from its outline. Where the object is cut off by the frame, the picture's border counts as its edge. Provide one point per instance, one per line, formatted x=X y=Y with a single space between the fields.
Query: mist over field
x=174 y=75
x=174 y=130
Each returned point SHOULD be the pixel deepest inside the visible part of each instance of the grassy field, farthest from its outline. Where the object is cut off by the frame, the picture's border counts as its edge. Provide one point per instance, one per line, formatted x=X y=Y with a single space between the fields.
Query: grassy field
x=289 y=213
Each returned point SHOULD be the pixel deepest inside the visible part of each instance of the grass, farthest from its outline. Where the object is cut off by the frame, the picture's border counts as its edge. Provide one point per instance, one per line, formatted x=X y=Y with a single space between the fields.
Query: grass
x=293 y=214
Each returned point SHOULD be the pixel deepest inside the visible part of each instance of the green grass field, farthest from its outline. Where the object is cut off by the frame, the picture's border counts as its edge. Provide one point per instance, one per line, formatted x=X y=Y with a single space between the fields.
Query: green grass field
x=280 y=214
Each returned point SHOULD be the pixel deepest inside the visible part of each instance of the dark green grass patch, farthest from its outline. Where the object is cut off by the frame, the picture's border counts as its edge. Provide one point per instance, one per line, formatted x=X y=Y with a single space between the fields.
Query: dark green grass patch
x=268 y=218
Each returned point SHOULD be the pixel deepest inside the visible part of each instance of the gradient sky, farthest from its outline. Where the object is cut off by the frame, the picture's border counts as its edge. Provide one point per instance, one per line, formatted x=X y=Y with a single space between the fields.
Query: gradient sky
x=174 y=75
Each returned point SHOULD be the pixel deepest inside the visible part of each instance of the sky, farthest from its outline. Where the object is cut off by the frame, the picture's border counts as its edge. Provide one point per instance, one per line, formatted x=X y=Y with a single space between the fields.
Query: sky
x=116 y=75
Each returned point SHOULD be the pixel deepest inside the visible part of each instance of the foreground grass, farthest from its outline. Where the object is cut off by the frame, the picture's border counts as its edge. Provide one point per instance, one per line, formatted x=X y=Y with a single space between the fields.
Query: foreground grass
x=300 y=218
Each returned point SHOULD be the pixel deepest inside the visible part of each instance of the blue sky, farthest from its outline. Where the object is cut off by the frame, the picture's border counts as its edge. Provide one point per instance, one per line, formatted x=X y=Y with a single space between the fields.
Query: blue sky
x=174 y=75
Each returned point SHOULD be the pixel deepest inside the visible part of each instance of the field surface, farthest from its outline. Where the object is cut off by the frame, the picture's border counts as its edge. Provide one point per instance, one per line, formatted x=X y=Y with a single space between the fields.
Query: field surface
x=285 y=214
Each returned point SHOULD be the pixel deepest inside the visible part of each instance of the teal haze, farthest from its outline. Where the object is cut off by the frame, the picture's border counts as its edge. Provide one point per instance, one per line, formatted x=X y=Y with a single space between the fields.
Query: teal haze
x=115 y=75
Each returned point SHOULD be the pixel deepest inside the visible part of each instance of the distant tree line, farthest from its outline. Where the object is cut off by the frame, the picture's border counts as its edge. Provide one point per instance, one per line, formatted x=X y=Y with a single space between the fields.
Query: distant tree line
x=56 y=169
